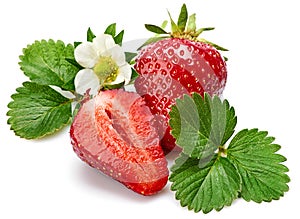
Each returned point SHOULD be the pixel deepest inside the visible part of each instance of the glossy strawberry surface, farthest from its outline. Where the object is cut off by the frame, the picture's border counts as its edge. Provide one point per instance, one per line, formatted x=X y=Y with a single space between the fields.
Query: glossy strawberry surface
x=172 y=67
x=114 y=133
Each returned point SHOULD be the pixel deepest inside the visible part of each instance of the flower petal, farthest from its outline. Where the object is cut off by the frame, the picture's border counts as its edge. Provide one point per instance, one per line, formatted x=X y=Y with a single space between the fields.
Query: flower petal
x=117 y=55
x=64 y=93
x=102 y=43
x=124 y=75
x=86 y=55
x=126 y=71
x=86 y=79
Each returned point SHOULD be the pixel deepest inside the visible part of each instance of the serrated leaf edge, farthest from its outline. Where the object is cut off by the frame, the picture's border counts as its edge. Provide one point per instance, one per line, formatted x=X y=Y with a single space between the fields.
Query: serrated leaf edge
x=10 y=122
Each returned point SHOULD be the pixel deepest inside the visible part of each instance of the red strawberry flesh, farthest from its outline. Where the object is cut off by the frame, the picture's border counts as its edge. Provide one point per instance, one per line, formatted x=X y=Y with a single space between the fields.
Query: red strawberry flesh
x=113 y=132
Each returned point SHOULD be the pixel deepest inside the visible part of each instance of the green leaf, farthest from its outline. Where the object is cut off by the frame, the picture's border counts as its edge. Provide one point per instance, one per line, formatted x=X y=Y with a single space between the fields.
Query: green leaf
x=111 y=29
x=208 y=175
x=119 y=38
x=90 y=35
x=38 y=110
x=46 y=63
x=201 y=125
x=204 y=188
x=254 y=156
x=155 y=29
x=182 y=18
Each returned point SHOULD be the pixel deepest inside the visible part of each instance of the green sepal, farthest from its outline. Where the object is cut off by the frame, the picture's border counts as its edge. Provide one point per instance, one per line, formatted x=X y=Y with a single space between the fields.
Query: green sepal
x=119 y=38
x=129 y=56
x=191 y=26
x=90 y=35
x=38 y=110
x=73 y=62
x=201 y=30
x=184 y=29
x=182 y=18
x=155 y=29
x=213 y=44
x=134 y=75
x=174 y=27
x=111 y=29
x=164 y=24
x=153 y=40
x=75 y=44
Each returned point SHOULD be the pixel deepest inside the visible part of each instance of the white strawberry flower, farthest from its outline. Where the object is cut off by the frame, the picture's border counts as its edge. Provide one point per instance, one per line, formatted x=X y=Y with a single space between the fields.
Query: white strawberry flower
x=104 y=64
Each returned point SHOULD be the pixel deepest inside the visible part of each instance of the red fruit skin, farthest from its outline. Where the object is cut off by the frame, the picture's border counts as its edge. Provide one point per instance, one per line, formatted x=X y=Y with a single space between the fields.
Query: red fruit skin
x=172 y=67
x=113 y=133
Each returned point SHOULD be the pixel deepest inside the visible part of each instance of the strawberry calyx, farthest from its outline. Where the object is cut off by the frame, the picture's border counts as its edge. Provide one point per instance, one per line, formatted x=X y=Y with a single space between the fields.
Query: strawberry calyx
x=185 y=28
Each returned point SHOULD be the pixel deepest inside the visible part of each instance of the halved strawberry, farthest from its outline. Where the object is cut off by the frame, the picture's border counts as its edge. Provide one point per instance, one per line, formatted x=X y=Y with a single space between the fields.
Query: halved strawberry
x=176 y=64
x=113 y=132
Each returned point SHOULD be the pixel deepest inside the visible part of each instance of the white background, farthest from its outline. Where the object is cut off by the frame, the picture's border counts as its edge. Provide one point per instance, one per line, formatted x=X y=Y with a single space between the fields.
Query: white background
x=45 y=179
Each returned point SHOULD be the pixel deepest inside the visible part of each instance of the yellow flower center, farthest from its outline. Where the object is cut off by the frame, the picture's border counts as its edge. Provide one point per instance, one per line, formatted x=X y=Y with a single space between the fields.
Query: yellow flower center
x=106 y=70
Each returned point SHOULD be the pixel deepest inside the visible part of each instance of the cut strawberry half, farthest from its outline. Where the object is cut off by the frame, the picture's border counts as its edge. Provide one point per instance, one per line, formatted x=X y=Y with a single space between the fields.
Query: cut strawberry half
x=114 y=133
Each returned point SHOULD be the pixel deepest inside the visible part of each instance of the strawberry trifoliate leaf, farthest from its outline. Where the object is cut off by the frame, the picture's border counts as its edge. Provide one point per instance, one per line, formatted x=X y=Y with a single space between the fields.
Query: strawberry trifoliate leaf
x=254 y=155
x=205 y=179
x=38 y=110
x=46 y=63
x=204 y=188
x=201 y=125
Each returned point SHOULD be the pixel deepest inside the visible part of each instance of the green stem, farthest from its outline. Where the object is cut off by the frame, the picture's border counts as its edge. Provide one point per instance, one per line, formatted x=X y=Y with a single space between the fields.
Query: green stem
x=222 y=151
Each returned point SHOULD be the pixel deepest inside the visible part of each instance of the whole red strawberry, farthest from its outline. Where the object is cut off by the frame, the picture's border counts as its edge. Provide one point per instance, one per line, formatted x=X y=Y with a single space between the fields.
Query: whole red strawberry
x=113 y=132
x=177 y=64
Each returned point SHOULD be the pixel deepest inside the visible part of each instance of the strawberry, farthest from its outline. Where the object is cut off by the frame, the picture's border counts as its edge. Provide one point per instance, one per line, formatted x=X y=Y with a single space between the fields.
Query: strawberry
x=176 y=64
x=113 y=132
